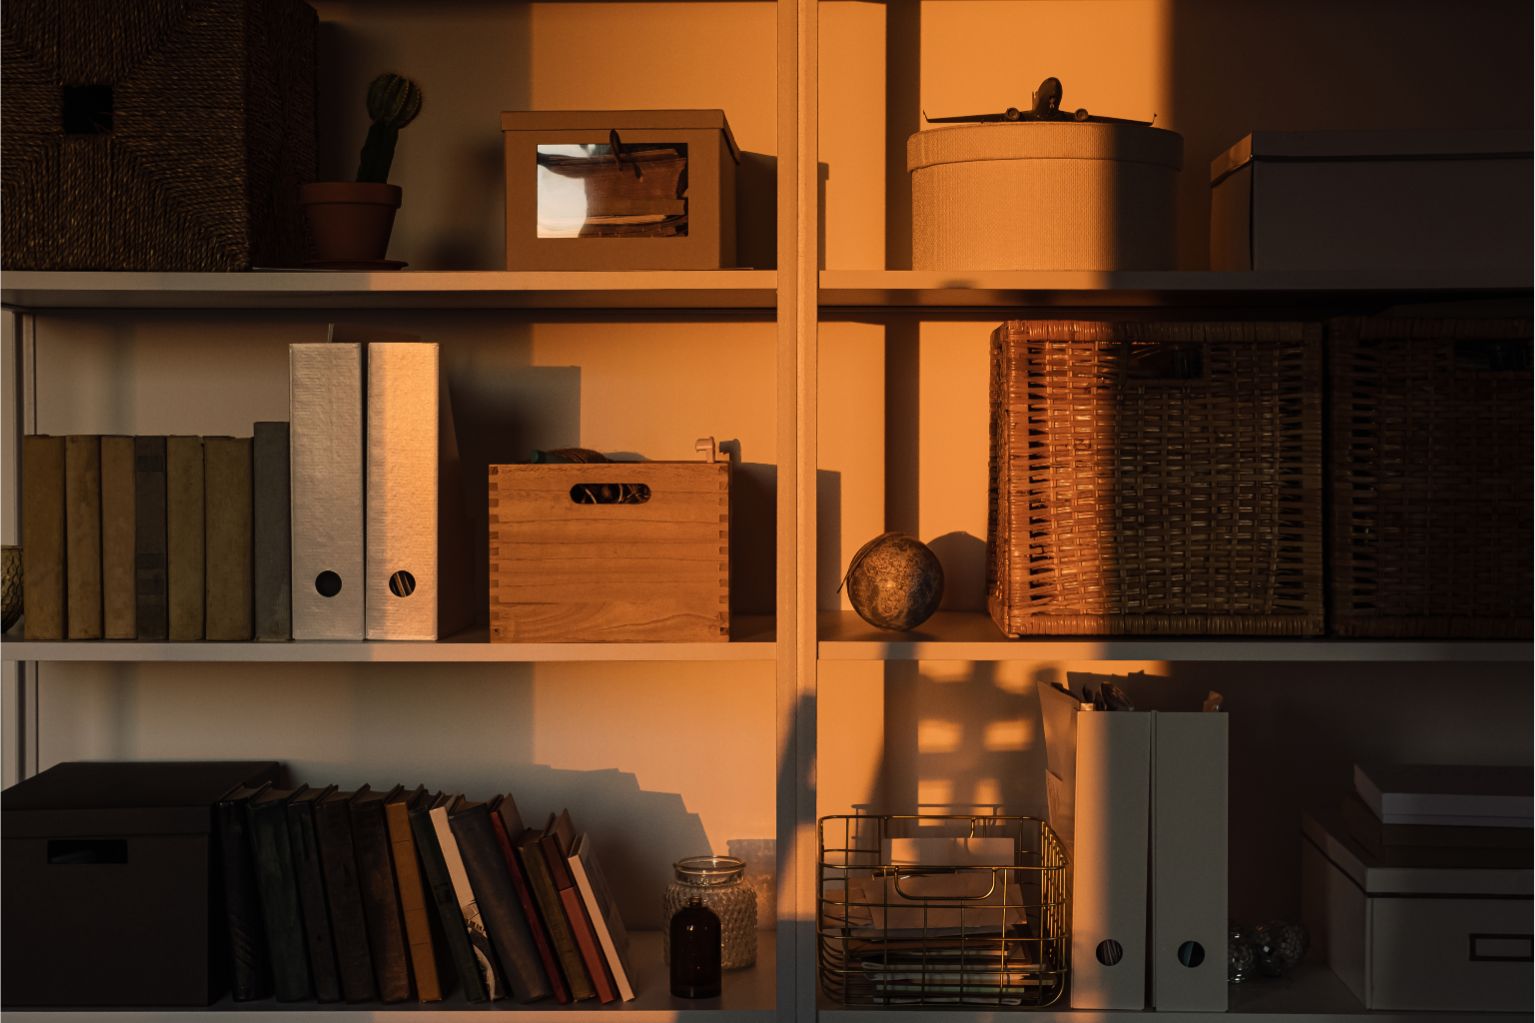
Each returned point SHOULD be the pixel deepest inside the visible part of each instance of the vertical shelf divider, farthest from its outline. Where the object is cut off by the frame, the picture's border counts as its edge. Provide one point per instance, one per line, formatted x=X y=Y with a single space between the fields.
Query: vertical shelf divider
x=797 y=307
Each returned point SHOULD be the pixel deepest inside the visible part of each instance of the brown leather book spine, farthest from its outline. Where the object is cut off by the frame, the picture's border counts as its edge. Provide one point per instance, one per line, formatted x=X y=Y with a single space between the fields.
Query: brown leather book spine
x=82 y=536
x=119 y=618
x=418 y=927
x=185 y=551
x=227 y=529
x=42 y=537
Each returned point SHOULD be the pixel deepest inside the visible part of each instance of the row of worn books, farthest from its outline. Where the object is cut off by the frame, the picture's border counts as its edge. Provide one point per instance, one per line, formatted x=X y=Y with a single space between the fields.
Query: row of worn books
x=392 y=896
x=155 y=538
x=346 y=523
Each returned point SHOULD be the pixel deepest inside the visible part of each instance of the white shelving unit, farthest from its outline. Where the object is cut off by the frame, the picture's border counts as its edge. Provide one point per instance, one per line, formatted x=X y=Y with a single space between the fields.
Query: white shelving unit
x=808 y=643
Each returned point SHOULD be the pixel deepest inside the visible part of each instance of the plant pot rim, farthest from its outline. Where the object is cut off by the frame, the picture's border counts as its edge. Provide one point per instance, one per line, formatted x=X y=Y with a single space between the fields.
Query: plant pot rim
x=366 y=192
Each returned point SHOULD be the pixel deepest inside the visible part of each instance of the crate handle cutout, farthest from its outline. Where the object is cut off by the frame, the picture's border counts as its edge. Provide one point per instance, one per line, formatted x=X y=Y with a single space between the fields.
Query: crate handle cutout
x=1164 y=360
x=609 y=493
x=402 y=583
x=69 y=852
x=1502 y=948
x=1497 y=355
x=327 y=583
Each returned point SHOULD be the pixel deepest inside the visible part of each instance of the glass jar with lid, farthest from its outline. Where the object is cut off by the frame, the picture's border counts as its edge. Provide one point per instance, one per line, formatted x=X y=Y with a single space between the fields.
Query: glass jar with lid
x=716 y=882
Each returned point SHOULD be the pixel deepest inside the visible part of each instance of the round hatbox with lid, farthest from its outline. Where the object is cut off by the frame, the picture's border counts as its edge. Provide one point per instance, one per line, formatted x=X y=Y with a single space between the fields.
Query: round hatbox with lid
x=1022 y=195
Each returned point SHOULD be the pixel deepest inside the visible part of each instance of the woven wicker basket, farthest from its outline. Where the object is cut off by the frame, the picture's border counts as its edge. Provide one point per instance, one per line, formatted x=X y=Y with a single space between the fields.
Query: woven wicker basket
x=155 y=134
x=1160 y=478
x=1429 y=477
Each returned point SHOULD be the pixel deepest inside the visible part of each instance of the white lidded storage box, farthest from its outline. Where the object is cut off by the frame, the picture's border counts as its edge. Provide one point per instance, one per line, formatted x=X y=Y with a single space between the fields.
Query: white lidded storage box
x=1420 y=928
x=1020 y=195
x=1372 y=200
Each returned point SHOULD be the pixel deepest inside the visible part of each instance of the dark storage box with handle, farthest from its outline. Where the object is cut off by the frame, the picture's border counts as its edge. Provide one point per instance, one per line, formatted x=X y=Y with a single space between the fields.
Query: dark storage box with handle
x=109 y=878
x=156 y=134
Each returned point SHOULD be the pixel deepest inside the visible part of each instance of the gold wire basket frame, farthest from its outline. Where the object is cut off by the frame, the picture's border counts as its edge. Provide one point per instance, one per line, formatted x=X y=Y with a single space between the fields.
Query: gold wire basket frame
x=1005 y=941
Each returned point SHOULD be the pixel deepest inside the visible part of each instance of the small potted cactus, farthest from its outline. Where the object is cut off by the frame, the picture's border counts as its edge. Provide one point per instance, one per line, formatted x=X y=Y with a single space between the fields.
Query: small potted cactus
x=350 y=221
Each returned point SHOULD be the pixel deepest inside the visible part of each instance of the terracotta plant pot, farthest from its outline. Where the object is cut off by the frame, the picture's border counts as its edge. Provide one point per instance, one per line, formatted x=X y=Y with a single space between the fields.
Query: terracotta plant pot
x=349 y=221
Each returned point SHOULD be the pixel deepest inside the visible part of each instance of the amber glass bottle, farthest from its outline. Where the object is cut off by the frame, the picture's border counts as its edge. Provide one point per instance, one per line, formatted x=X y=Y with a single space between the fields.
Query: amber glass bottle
x=695 y=941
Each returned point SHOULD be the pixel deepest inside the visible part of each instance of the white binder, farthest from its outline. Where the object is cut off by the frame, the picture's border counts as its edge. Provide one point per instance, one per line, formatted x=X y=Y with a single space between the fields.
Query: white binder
x=417 y=558
x=1188 y=862
x=325 y=393
x=1099 y=787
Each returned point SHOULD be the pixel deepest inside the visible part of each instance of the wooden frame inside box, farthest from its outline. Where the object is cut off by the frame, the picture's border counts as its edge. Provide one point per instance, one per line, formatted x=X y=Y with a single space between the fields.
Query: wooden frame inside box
x=690 y=228
x=610 y=552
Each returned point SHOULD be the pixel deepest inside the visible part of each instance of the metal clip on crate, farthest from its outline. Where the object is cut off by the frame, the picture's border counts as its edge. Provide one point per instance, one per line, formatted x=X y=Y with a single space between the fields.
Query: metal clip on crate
x=960 y=933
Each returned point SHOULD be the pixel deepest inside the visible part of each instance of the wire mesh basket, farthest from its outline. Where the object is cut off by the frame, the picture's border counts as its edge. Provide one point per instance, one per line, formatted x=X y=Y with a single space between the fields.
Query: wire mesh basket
x=941 y=909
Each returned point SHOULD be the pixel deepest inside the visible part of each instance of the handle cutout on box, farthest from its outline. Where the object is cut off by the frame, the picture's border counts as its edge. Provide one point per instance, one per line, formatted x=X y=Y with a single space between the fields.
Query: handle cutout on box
x=75 y=851
x=1502 y=948
x=1496 y=355
x=1110 y=952
x=1165 y=360
x=86 y=109
x=402 y=583
x=609 y=493
x=327 y=583
x=1191 y=954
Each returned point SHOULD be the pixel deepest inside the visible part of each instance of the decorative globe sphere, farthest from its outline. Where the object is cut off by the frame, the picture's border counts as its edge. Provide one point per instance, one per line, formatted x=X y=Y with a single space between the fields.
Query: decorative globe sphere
x=895 y=582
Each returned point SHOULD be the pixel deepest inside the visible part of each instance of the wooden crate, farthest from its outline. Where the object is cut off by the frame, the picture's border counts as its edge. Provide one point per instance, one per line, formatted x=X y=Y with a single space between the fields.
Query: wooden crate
x=566 y=571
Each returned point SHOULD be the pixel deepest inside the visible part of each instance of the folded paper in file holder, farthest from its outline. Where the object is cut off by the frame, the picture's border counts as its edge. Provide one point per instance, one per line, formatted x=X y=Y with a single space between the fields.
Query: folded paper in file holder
x=610 y=552
x=942 y=910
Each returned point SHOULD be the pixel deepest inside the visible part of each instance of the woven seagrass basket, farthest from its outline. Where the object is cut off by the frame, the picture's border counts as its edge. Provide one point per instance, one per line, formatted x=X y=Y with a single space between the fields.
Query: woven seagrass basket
x=1156 y=478
x=1429 y=477
x=155 y=134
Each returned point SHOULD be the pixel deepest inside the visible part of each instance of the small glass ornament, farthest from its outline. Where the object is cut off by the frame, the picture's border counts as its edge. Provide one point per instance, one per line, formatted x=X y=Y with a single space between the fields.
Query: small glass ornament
x=693 y=935
x=716 y=882
x=1241 y=960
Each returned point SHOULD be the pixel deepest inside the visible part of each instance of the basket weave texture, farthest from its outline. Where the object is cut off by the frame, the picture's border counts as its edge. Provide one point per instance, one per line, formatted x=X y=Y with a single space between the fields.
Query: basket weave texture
x=1156 y=478
x=1430 y=477
x=191 y=161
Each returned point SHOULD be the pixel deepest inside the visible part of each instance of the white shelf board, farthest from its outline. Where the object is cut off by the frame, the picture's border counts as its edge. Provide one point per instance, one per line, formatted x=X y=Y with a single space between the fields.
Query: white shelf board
x=406 y=289
x=753 y=640
x=894 y=289
x=972 y=636
x=747 y=996
x=1312 y=994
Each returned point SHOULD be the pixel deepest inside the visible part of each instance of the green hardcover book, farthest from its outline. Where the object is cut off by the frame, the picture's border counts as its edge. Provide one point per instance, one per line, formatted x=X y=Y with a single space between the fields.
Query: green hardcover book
x=184 y=536
x=82 y=536
x=227 y=532
x=119 y=619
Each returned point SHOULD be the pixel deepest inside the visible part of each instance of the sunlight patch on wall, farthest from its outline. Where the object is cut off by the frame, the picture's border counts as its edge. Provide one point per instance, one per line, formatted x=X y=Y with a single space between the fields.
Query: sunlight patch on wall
x=1007 y=735
x=938 y=736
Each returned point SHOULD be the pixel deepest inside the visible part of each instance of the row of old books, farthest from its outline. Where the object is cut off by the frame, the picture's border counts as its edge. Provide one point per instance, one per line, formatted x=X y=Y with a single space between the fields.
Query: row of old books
x=156 y=538
x=363 y=896
x=346 y=523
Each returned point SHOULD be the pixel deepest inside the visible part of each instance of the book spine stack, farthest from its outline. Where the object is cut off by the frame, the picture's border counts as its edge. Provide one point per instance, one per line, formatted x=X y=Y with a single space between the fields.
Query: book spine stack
x=402 y=896
x=154 y=538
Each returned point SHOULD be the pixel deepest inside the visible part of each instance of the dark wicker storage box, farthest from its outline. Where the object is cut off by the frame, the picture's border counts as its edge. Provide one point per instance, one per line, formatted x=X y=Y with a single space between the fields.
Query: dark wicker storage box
x=1430 y=479
x=155 y=134
x=1156 y=478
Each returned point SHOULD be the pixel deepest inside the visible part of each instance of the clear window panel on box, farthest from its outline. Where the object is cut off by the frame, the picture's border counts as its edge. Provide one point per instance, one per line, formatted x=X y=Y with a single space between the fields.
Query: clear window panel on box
x=629 y=190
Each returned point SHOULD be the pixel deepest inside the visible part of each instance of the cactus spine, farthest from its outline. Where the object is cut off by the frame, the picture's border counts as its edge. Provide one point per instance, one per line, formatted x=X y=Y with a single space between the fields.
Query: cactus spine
x=393 y=102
